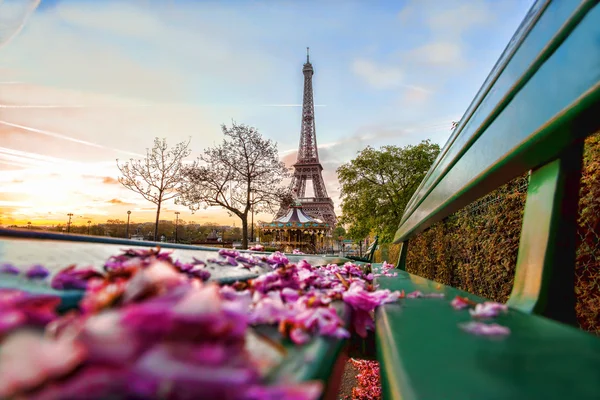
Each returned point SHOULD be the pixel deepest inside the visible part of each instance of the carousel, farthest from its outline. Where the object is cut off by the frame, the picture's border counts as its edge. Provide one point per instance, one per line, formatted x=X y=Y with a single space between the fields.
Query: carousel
x=297 y=231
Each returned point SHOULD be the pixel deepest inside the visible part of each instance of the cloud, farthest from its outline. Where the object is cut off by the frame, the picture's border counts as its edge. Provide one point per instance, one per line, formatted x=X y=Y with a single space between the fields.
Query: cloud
x=378 y=76
x=441 y=53
x=120 y=202
x=110 y=180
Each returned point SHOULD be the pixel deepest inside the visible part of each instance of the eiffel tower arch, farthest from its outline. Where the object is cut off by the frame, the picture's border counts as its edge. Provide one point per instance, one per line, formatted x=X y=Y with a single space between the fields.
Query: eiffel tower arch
x=307 y=166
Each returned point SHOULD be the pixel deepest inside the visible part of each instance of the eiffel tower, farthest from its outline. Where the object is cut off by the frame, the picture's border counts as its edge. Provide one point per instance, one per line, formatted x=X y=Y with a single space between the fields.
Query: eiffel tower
x=307 y=166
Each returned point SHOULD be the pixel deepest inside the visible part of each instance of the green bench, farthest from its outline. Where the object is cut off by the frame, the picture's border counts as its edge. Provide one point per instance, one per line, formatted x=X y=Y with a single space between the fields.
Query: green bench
x=369 y=253
x=533 y=113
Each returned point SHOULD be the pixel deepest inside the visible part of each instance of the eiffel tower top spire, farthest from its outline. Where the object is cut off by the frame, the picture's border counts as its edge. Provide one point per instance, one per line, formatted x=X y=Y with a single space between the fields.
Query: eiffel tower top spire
x=307 y=151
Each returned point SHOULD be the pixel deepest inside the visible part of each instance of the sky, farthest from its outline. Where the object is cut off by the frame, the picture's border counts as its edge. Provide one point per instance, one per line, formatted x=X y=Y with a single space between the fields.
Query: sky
x=86 y=82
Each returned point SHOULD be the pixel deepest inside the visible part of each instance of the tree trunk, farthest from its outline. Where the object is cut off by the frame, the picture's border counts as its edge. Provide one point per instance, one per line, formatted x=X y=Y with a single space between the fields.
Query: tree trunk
x=156 y=223
x=244 y=219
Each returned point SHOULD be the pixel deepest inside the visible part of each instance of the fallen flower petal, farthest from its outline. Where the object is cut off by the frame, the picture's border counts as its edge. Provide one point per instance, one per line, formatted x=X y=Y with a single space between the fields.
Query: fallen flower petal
x=480 y=328
x=37 y=272
x=489 y=309
x=9 y=269
x=27 y=359
x=229 y=253
x=277 y=258
x=72 y=278
x=414 y=295
x=461 y=302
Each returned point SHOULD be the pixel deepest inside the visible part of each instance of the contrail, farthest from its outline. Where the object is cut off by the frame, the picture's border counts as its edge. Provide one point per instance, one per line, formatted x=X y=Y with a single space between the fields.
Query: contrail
x=19 y=22
x=59 y=136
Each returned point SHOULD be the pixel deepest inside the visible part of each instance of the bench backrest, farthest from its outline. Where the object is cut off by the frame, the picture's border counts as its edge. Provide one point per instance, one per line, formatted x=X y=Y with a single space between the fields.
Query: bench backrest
x=532 y=113
x=370 y=252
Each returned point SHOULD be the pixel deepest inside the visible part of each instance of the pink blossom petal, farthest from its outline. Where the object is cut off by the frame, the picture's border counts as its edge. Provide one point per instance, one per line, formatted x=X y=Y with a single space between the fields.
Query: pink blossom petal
x=28 y=359
x=480 y=328
x=489 y=309
x=9 y=269
x=37 y=272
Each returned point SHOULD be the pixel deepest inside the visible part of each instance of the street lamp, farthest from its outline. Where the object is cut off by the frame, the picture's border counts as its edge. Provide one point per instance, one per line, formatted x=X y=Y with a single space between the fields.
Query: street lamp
x=252 y=227
x=89 y=223
x=176 y=224
x=69 y=223
x=128 y=214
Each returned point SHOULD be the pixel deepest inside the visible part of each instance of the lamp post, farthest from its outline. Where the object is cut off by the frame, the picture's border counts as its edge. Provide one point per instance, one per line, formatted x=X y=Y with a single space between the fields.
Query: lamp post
x=69 y=223
x=252 y=227
x=176 y=224
x=89 y=223
x=128 y=214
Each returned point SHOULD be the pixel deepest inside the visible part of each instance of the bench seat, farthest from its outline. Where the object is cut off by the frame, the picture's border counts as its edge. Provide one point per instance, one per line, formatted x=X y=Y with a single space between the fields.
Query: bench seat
x=322 y=358
x=425 y=355
x=56 y=251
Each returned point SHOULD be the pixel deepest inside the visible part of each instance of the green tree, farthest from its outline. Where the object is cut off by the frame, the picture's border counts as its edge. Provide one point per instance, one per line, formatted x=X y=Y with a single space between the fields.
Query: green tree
x=377 y=185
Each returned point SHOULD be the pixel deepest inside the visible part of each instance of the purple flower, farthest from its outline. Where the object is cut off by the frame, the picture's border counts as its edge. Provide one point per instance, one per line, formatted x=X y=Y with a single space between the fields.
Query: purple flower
x=277 y=258
x=322 y=320
x=257 y=247
x=18 y=308
x=72 y=278
x=359 y=298
x=231 y=261
x=229 y=253
x=248 y=259
x=9 y=269
x=172 y=372
x=155 y=279
x=489 y=309
x=289 y=295
x=296 y=251
x=200 y=273
x=480 y=328
x=37 y=272
x=28 y=359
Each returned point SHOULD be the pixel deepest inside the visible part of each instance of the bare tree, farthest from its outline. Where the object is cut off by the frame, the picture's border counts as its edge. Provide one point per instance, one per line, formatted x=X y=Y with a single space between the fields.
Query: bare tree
x=158 y=176
x=242 y=175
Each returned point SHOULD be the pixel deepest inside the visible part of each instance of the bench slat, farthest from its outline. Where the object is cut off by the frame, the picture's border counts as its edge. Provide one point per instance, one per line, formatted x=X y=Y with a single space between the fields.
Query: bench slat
x=529 y=127
x=425 y=355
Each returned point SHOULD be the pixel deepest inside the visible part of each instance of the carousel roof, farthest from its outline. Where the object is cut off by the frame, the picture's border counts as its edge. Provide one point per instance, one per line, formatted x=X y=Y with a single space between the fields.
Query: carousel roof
x=296 y=214
x=296 y=218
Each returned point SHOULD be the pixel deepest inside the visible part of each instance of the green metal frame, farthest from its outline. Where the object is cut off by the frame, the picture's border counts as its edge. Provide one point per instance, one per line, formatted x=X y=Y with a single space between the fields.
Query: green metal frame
x=369 y=254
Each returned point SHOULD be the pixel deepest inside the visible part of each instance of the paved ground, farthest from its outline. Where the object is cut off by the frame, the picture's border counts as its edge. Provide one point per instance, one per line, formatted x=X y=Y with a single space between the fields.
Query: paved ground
x=348 y=381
